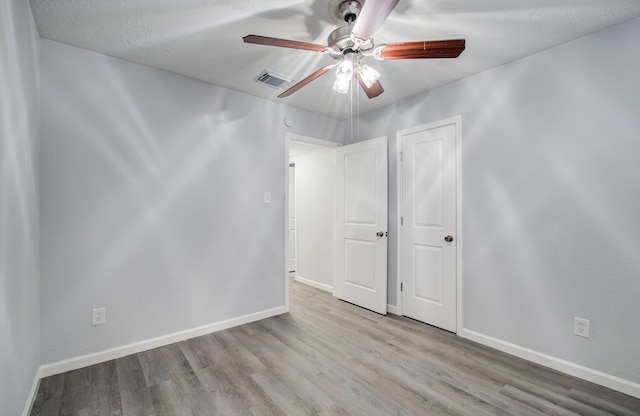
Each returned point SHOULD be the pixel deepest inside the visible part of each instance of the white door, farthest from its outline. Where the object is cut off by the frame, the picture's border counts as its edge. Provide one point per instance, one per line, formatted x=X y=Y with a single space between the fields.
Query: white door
x=429 y=210
x=361 y=254
x=292 y=219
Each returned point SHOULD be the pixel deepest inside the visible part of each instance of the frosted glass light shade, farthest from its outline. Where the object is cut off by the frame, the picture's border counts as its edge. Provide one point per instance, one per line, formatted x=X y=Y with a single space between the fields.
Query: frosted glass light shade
x=368 y=75
x=342 y=86
x=344 y=72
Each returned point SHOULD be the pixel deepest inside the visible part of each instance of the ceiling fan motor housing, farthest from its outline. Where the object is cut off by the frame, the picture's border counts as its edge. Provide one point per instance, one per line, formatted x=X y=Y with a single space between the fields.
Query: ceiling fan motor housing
x=340 y=39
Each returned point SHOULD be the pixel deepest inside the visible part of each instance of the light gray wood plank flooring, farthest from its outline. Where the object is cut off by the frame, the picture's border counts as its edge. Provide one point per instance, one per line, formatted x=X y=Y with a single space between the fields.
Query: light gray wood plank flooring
x=325 y=357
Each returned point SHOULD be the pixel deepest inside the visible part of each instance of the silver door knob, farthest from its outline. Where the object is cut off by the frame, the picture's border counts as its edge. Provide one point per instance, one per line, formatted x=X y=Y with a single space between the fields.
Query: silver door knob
x=380 y=234
x=448 y=238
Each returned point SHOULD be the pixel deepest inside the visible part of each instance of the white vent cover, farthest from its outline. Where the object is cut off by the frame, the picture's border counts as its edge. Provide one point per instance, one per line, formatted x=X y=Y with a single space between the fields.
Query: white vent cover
x=272 y=79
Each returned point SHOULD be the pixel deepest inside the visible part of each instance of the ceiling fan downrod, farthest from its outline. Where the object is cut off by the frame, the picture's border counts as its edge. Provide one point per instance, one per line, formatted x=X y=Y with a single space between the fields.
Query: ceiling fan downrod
x=349 y=10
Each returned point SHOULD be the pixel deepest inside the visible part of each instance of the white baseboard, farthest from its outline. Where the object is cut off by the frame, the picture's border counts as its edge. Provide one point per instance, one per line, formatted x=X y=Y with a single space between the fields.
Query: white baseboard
x=118 y=352
x=315 y=284
x=567 y=367
x=392 y=309
x=32 y=394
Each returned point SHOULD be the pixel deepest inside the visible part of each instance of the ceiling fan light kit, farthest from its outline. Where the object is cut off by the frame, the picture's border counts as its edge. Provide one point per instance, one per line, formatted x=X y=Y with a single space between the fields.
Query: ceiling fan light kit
x=341 y=86
x=352 y=43
x=369 y=75
x=344 y=71
x=347 y=69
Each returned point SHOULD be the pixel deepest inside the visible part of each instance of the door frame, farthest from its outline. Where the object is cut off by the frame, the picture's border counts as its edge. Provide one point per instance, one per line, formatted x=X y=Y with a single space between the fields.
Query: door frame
x=303 y=139
x=457 y=122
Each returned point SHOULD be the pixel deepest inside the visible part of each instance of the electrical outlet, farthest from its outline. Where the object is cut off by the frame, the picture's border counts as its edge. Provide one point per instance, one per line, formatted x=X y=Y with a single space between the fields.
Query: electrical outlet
x=581 y=327
x=98 y=316
x=267 y=197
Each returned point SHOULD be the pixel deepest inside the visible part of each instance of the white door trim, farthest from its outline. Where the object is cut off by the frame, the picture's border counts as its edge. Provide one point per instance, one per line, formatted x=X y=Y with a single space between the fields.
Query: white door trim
x=457 y=121
x=304 y=139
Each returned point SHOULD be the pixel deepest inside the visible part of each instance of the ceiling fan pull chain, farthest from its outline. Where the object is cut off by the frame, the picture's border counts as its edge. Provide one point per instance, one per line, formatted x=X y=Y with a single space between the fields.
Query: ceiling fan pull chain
x=351 y=113
x=358 y=113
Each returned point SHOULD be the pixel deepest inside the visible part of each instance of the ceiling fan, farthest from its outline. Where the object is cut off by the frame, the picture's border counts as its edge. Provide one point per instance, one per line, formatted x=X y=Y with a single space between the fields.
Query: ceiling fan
x=352 y=43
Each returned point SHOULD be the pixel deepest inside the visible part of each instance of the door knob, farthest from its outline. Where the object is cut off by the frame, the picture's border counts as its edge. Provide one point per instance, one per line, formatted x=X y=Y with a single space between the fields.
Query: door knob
x=380 y=234
x=448 y=238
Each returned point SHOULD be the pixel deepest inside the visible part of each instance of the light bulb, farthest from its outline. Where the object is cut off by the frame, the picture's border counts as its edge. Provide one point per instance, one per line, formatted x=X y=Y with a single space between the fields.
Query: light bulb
x=342 y=85
x=369 y=75
x=344 y=72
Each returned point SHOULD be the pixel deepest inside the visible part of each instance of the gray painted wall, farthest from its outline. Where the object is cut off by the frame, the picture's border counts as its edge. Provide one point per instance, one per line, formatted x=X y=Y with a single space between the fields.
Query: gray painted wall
x=550 y=191
x=152 y=184
x=19 y=285
x=153 y=201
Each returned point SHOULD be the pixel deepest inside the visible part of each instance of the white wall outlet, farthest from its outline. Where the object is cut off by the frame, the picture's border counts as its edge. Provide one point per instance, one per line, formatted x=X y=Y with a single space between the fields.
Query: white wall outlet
x=267 y=197
x=98 y=316
x=581 y=327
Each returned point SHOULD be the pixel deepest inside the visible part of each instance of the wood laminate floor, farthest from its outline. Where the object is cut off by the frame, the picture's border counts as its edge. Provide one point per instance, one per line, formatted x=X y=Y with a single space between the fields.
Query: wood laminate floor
x=325 y=357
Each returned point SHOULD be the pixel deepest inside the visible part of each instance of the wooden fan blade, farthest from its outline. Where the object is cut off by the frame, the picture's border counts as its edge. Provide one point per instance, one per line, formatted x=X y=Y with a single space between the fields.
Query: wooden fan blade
x=372 y=16
x=283 y=43
x=429 y=49
x=375 y=90
x=307 y=80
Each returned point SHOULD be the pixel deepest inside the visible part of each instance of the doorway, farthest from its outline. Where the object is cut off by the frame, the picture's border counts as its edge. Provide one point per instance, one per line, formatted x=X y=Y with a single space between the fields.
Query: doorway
x=340 y=216
x=310 y=207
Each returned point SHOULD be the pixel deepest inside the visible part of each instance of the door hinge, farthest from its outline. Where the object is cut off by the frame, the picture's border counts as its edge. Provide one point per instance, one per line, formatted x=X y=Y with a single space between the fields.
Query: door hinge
x=400 y=286
x=401 y=156
x=401 y=221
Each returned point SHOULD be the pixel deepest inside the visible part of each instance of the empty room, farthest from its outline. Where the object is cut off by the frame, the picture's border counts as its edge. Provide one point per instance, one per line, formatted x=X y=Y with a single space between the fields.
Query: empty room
x=323 y=207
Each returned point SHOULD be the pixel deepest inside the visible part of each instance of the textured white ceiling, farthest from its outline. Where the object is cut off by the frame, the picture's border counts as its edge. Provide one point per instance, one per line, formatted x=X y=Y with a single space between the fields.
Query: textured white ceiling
x=202 y=39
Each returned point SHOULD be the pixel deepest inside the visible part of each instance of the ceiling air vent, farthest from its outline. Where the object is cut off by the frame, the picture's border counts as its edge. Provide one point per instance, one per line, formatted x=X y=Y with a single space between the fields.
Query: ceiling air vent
x=272 y=79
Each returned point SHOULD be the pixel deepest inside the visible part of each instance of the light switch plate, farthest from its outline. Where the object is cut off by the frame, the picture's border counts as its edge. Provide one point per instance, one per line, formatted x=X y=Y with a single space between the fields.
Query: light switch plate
x=267 y=197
